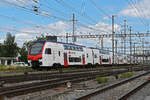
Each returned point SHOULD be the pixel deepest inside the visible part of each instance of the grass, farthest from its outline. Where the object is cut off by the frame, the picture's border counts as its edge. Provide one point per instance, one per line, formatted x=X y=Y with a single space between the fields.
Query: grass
x=127 y=75
x=6 y=69
x=101 y=80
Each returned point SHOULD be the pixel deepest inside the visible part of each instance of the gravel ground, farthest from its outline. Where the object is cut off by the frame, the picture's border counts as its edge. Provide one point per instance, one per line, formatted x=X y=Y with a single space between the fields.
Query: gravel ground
x=113 y=94
x=79 y=89
x=143 y=94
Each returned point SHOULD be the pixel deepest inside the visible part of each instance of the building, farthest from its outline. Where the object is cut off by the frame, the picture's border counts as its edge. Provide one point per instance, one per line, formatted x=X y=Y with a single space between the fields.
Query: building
x=7 y=60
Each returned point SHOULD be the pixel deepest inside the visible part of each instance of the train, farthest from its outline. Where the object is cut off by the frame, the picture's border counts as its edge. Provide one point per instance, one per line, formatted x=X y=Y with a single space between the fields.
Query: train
x=50 y=54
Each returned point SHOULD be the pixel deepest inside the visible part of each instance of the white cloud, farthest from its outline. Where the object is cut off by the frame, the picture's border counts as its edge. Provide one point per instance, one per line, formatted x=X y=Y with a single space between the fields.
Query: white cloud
x=27 y=34
x=61 y=28
x=101 y=28
x=105 y=18
x=139 y=9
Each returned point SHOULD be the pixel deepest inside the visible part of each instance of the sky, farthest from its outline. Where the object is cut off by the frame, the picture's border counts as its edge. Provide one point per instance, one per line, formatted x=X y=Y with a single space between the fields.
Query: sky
x=53 y=17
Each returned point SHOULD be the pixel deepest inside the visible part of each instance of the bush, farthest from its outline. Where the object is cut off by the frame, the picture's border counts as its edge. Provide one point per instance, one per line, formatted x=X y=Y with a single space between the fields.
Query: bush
x=127 y=75
x=101 y=80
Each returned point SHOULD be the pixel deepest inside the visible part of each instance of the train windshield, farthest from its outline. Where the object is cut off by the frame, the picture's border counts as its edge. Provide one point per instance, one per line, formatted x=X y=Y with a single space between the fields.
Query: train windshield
x=36 y=48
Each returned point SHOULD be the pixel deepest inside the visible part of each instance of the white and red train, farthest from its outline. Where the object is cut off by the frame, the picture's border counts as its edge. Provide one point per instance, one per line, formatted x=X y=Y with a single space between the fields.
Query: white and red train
x=57 y=54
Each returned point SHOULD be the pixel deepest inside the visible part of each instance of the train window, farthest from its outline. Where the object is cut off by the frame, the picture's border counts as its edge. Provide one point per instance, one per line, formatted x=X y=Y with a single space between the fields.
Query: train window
x=81 y=49
x=68 y=47
x=59 y=53
x=78 y=48
x=105 y=60
x=65 y=47
x=48 y=51
x=74 y=48
x=74 y=59
x=71 y=59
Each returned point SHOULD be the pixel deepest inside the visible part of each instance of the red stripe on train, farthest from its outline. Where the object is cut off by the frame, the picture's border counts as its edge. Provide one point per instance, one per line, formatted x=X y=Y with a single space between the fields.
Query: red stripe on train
x=65 y=60
x=83 y=60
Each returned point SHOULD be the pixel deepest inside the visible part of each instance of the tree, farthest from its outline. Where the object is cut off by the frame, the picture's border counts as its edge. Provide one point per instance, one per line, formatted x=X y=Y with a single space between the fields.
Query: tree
x=23 y=54
x=10 y=48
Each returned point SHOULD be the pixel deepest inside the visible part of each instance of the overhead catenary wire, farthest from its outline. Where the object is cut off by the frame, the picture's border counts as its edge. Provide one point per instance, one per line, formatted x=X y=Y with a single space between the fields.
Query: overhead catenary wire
x=65 y=5
x=26 y=32
x=142 y=11
x=91 y=28
x=136 y=12
x=62 y=13
x=99 y=9
x=83 y=7
x=79 y=23
x=47 y=14
x=43 y=13
x=47 y=4
x=24 y=22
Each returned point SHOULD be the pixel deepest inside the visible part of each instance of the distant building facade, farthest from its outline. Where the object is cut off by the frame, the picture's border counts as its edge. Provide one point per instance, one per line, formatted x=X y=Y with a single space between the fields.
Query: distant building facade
x=7 y=60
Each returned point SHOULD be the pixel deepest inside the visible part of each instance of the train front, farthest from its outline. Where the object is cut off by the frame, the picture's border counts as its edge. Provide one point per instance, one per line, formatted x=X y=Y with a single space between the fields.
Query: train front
x=35 y=53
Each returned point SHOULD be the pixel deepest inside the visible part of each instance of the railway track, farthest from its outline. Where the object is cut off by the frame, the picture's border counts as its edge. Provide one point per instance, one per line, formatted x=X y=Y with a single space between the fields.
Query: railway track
x=28 y=88
x=133 y=91
x=44 y=76
x=98 y=93
x=56 y=81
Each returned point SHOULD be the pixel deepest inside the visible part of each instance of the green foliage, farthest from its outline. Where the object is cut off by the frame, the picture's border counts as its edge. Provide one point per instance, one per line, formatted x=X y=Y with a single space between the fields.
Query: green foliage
x=127 y=75
x=9 y=48
x=101 y=80
x=23 y=54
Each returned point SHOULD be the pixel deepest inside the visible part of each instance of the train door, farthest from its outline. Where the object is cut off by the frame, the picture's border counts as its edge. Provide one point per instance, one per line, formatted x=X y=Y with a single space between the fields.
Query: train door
x=57 y=55
x=65 y=59
x=83 y=60
x=47 y=58
x=88 y=56
x=100 y=58
x=93 y=56
x=109 y=60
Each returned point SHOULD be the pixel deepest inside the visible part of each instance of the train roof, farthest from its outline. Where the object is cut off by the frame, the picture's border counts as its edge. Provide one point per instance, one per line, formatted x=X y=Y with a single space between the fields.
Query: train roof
x=60 y=43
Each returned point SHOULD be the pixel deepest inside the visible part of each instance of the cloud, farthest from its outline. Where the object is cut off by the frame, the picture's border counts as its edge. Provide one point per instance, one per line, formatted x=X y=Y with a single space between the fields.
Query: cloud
x=105 y=18
x=28 y=33
x=61 y=28
x=139 y=9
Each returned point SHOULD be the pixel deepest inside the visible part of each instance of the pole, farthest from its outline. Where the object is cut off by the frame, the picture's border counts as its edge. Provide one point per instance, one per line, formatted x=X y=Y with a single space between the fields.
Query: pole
x=122 y=44
x=116 y=46
x=134 y=53
x=66 y=37
x=130 y=45
x=73 y=22
x=143 y=49
x=113 y=39
x=124 y=37
x=102 y=45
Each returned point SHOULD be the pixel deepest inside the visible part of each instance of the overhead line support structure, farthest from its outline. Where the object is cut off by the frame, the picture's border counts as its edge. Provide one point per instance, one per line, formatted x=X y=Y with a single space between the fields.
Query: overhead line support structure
x=73 y=28
x=130 y=45
x=113 y=39
x=108 y=35
x=125 y=26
